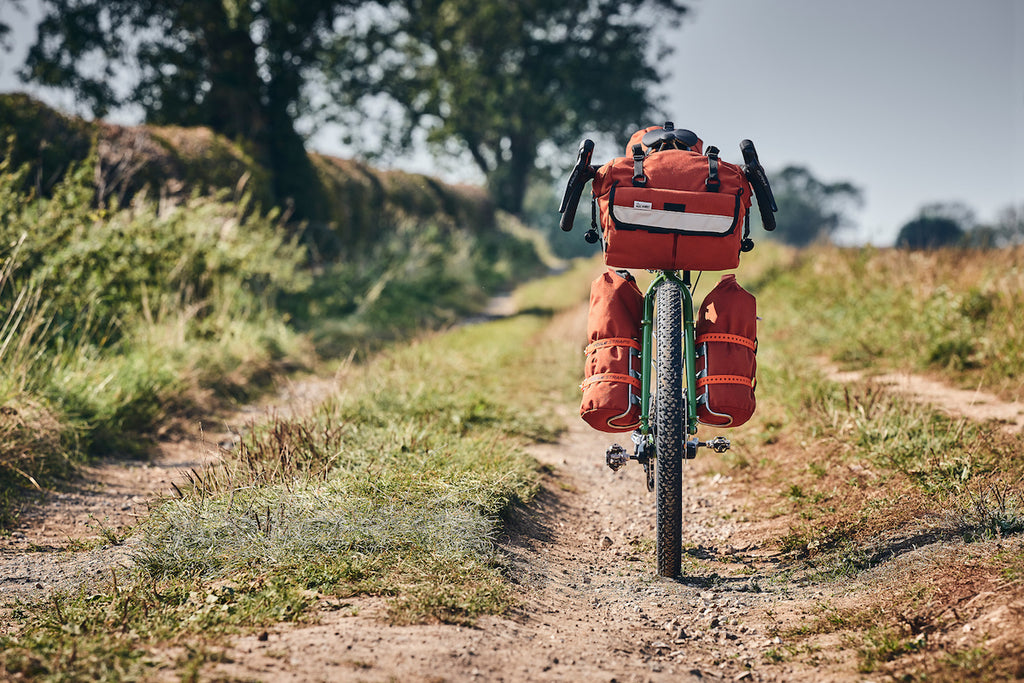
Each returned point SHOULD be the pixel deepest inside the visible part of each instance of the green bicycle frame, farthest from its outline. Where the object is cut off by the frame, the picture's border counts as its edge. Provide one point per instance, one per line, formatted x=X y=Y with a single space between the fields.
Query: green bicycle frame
x=689 y=350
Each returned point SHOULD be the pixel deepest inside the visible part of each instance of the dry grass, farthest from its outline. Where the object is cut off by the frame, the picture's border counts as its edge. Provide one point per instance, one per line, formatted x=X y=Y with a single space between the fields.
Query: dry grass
x=911 y=515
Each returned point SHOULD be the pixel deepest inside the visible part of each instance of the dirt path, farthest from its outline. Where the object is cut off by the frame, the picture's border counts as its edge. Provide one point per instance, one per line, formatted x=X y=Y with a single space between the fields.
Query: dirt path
x=590 y=608
x=64 y=537
x=974 y=404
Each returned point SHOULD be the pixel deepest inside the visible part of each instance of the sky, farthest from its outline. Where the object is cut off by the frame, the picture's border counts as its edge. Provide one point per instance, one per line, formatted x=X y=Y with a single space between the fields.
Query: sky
x=913 y=101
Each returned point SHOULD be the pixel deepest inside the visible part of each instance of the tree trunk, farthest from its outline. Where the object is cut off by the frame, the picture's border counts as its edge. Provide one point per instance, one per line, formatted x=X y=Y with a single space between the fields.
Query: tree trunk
x=507 y=182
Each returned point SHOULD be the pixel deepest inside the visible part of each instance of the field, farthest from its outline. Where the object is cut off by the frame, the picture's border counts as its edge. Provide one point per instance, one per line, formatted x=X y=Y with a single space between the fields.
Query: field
x=855 y=530
x=236 y=450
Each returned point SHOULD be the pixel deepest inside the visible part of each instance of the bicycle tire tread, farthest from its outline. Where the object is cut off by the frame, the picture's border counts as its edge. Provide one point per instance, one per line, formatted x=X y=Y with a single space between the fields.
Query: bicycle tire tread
x=670 y=427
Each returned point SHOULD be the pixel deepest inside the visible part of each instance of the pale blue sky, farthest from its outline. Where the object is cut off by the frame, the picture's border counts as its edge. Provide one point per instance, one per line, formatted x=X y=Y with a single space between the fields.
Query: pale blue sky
x=915 y=101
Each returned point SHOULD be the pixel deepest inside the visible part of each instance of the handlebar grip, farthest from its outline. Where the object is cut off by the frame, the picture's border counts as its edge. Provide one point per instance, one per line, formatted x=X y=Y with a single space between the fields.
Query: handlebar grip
x=569 y=216
x=581 y=173
x=759 y=182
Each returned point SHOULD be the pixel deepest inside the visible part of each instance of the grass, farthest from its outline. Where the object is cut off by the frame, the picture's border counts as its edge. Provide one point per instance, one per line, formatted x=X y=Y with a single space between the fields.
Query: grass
x=853 y=464
x=115 y=321
x=395 y=487
x=861 y=479
x=949 y=312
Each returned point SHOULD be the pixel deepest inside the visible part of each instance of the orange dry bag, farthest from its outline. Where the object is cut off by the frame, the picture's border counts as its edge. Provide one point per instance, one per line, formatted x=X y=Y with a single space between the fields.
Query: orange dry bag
x=674 y=209
x=611 y=385
x=726 y=348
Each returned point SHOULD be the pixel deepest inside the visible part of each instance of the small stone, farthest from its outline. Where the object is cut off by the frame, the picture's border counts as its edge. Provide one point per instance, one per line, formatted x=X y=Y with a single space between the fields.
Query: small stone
x=606 y=542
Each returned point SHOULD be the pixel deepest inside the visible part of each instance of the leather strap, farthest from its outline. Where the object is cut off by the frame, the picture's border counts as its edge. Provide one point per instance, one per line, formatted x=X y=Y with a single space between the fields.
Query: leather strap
x=610 y=377
x=639 y=179
x=712 y=184
x=611 y=341
x=729 y=339
x=726 y=379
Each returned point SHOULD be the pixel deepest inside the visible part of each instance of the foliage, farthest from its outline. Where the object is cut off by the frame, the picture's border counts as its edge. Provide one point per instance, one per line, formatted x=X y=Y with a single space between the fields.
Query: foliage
x=929 y=233
x=951 y=311
x=936 y=226
x=1007 y=230
x=497 y=80
x=112 y=321
x=1009 y=226
x=48 y=141
x=809 y=209
x=94 y=302
x=239 y=68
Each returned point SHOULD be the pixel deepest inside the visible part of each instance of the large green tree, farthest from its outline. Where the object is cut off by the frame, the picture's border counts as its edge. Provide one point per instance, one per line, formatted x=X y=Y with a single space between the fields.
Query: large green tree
x=496 y=79
x=238 y=66
x=942 y=224
x=810 y=209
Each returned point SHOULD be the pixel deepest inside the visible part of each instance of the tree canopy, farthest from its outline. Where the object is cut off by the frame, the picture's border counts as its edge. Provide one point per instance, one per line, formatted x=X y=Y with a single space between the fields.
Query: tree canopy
x=937 y=225
x=490 y=79
x=810 y=209
x=495 y=80
x=237 y=66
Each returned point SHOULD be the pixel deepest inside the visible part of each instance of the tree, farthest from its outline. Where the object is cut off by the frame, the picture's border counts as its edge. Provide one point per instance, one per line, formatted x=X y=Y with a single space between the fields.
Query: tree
x=937 y=225
x=808 y=208
x=496 y=80
x=1009 y=227
x=239 y=67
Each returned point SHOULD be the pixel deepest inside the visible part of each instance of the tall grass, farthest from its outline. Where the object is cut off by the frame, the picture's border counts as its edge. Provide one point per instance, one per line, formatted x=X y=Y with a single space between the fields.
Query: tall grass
x=953 y=312
x=114 y=319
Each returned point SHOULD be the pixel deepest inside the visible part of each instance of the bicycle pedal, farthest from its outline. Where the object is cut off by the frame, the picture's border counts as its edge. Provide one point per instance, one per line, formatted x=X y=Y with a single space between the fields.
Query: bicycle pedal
x=719 y=444
x=616 y=456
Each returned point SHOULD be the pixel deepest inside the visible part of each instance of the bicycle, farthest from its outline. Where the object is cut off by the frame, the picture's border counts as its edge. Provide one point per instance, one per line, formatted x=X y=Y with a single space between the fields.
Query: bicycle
x=667 y=433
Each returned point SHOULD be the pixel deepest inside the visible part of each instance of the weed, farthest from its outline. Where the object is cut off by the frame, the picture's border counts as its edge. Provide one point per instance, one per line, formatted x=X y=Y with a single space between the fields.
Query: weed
x=989 y=510
x=881 y=644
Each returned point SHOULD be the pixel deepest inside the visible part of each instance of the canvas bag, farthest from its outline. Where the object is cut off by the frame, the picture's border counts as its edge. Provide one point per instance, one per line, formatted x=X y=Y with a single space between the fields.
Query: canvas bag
x=727 y=361
x=611 y=384
x=684 y=211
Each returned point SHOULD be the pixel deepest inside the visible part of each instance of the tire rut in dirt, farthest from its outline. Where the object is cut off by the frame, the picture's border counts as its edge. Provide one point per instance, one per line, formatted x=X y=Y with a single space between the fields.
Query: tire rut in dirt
x=670 y=426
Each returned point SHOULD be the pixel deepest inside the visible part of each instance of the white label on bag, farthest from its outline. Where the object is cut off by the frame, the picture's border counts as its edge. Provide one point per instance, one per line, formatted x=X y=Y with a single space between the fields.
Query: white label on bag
x=637 y=204
x=711 y=224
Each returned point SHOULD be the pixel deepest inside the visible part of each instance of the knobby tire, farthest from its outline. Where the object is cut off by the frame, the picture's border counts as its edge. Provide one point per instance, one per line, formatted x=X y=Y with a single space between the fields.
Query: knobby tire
x=669 y=427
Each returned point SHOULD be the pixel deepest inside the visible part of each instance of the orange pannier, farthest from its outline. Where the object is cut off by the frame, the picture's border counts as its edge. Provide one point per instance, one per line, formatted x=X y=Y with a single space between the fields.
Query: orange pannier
x=726 y=355
x=611 y=384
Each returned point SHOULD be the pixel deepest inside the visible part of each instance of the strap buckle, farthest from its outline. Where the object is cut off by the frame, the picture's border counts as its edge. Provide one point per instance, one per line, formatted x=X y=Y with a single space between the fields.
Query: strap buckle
x=712 y=184
x=639 y=179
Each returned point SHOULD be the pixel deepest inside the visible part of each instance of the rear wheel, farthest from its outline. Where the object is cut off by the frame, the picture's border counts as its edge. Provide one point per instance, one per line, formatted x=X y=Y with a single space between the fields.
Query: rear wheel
x=669 y=427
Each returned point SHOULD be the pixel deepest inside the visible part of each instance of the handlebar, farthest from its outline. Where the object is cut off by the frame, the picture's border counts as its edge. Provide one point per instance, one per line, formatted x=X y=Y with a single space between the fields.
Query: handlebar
x=759 y=181
x=581 y=173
